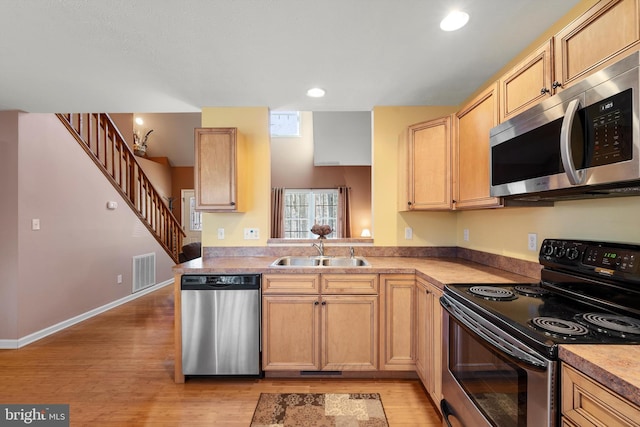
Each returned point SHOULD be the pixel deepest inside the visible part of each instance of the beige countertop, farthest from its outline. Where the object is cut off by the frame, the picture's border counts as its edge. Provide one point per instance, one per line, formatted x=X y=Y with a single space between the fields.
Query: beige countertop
x=438 y=271
x=614 y=366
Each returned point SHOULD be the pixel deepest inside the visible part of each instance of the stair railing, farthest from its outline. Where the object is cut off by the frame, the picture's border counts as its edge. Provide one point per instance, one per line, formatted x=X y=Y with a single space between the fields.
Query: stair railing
x=102 y=140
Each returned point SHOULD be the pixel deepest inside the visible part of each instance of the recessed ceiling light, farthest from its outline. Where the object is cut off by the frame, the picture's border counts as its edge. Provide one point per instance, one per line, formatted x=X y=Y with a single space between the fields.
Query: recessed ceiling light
x=315 y=92
x=454 y=21
x=139 y=121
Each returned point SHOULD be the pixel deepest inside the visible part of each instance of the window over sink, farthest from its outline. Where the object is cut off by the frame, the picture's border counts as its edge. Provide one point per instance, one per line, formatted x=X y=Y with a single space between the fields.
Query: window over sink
x=305 y=207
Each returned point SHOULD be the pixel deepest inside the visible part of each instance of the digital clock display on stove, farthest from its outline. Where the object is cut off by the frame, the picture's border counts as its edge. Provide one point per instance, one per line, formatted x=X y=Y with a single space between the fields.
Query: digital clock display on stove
x=623 y=261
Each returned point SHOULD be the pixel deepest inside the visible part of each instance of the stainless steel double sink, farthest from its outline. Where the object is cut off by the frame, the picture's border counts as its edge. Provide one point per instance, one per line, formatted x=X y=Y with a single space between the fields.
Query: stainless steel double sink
x=320 y=261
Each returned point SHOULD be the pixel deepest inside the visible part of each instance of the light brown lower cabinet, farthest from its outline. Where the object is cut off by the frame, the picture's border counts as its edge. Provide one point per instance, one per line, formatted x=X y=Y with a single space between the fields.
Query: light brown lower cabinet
x=397 y=311
x=290 y=330
x=320 y=332
x=428 y=335
x=586 y=402
x=349 y=333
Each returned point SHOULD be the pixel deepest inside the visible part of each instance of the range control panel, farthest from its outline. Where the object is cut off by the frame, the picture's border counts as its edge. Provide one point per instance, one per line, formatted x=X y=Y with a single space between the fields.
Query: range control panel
x=597 y=258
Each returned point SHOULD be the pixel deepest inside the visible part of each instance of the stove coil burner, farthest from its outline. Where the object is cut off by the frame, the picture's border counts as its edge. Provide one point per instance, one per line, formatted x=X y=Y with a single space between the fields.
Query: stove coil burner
x=559 y=326
x=530 y=291
x=612 y=324
x=492 y=293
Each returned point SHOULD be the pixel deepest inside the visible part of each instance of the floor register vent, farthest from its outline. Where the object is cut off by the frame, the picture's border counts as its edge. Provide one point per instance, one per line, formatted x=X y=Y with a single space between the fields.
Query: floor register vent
x=144 y=271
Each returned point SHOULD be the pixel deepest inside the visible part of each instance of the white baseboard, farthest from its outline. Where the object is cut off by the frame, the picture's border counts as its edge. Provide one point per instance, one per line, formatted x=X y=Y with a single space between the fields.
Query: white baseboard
x=21 y=342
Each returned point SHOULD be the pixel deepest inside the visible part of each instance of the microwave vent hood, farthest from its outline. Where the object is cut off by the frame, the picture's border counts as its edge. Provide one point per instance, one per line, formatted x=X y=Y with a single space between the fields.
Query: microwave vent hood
x=579 y=193
x=581 y=143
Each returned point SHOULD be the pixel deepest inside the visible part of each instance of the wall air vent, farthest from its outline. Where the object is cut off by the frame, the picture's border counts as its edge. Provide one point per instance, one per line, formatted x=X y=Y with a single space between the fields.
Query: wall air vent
x=144 y=271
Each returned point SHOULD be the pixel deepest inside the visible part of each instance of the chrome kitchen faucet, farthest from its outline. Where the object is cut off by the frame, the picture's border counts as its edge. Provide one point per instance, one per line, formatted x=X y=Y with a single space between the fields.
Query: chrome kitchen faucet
x=319 y=247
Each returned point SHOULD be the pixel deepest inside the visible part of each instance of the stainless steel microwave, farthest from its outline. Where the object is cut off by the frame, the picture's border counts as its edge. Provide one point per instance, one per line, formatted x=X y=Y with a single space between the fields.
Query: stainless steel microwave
x=583 y=142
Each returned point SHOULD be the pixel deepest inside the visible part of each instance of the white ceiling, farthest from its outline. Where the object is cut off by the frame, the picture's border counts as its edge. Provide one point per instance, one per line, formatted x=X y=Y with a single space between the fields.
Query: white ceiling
x=182 y=55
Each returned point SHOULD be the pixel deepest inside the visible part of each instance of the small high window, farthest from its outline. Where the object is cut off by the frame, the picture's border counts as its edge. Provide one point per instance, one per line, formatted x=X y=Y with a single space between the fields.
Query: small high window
x=285 y=123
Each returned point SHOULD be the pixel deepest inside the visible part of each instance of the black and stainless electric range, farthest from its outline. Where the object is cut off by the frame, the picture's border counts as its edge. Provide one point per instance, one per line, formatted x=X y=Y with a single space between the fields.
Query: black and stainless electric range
x=500 y=349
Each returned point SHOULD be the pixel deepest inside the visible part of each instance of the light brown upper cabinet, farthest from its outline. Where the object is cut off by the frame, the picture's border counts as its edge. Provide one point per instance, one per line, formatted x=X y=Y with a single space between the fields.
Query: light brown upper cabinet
x=601 y=36
x=218 y=183
x=425 y=166
x=527 y=83
x=471 y=151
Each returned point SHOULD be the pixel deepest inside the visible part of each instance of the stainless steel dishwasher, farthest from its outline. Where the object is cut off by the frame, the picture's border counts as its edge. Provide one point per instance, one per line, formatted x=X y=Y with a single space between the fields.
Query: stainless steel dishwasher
x=220 y=324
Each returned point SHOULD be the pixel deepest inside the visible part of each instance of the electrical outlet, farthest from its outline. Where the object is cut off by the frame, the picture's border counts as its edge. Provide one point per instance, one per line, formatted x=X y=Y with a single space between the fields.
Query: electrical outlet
x=532 y=241
x=251 y=234
x=220 y=233
x=408 y=233
x=465 y=234
x=119 y=279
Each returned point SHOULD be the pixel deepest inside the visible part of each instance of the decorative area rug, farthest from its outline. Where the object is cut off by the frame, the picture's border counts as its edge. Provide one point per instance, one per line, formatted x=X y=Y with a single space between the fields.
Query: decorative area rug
x=319 y=410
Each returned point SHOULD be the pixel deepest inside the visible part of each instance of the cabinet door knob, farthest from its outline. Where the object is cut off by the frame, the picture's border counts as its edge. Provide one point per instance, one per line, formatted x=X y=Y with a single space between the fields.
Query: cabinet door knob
x=324 y=303
x=556 y=84
x=316 y=303
x=232 y=203
x=544 y=90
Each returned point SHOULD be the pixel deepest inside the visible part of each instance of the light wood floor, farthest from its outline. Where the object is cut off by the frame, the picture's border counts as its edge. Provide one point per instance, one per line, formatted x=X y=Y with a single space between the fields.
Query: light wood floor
x=116 y=369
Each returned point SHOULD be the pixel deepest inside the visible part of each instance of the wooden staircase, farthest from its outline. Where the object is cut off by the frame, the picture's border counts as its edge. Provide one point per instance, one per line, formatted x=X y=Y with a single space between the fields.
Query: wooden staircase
x=102 y=141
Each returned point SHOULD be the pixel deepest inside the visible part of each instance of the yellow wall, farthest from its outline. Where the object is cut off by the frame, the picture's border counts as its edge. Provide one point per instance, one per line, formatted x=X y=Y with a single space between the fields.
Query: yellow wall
x=504 y=231
x=253 y=124
x=429 y=229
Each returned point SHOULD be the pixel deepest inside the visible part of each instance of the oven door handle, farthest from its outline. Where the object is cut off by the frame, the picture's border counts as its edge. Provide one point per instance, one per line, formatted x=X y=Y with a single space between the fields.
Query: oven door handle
x=446 y=412
x=491 y=335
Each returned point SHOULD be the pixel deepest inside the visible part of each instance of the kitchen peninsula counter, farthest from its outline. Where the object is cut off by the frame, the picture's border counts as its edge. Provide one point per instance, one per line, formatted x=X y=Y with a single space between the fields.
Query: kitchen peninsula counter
x=612 y=365
x=437 y=270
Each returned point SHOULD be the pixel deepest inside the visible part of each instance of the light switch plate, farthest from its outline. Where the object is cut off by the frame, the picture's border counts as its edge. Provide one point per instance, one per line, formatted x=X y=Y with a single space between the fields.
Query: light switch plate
x=35 y=224
x=220 y=233
x=408 y=233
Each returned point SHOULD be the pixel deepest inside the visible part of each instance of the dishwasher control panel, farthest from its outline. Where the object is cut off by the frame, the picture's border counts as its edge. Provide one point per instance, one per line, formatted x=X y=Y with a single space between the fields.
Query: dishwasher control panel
x=208 y=281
